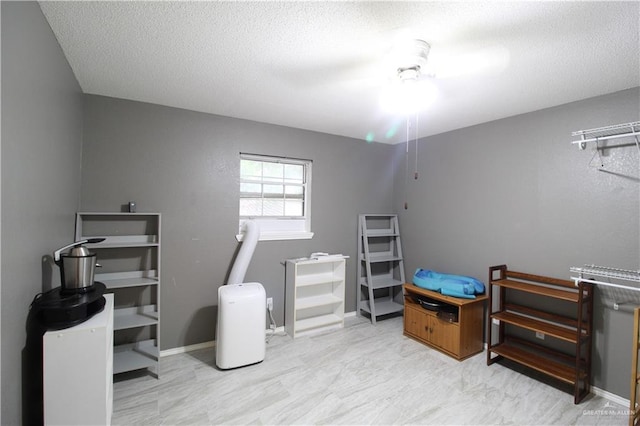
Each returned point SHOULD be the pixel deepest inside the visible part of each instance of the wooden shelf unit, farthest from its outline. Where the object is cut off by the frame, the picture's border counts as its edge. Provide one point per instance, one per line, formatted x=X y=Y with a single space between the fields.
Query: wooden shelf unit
x=459 y=339
x=571 y=368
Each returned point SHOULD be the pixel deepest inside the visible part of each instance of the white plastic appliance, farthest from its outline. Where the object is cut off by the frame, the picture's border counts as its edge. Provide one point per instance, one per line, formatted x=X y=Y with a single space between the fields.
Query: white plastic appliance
x=241 y=325
x=242 y=311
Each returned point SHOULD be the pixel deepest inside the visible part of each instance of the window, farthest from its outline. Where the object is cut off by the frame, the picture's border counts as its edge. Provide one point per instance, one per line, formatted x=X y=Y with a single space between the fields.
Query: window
x=275 y=192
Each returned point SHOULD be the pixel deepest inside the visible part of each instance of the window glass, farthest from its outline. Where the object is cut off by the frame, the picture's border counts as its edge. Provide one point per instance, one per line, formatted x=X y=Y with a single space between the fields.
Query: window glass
x=275 y=192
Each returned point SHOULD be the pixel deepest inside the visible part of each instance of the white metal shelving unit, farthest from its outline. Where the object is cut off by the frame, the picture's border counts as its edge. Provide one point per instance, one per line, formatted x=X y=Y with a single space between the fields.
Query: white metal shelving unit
x=634 y=412
x=130 y=269
x=618 y=278
x=314 y=295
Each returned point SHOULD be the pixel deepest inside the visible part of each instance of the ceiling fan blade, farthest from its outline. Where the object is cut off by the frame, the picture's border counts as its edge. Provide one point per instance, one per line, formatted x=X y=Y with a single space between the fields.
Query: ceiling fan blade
x=485 y=61
x=353 y=60
x=345 y=73
x=371 y=57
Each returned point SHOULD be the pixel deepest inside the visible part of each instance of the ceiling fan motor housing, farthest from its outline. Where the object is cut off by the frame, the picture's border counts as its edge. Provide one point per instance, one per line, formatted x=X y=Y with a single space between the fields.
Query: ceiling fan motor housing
x=415 y=53
x=411 y=58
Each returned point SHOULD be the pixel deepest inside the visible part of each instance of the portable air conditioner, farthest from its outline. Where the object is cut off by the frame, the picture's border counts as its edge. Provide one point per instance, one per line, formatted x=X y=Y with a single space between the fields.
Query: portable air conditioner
x=240 y=332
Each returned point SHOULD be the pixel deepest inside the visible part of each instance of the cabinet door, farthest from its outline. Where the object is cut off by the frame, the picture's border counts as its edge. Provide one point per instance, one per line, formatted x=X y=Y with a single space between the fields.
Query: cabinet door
x=444 y=334
x=416 y=322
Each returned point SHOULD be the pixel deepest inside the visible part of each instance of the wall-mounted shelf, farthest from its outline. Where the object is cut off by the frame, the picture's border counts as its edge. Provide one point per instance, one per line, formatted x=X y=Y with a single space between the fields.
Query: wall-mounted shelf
x=606 y=133
x=594 y=274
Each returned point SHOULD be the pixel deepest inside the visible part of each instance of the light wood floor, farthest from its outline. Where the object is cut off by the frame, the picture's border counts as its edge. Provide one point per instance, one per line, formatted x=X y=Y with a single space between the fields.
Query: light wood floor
x=362 y=374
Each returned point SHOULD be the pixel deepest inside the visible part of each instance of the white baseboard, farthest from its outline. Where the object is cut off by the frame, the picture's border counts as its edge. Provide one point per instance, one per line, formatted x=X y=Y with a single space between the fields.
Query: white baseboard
x=279 y=330
x=610 y=396
x=189 y=348
x=198 y=346
x=212 y=343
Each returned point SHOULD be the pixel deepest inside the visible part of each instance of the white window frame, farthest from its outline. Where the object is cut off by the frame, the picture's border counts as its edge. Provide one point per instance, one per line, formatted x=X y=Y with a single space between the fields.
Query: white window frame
x=281 y=228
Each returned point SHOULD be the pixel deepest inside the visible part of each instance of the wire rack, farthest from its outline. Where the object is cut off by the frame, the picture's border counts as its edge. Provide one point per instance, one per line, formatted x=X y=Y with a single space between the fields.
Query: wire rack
x=589 y=273
x=607 y=132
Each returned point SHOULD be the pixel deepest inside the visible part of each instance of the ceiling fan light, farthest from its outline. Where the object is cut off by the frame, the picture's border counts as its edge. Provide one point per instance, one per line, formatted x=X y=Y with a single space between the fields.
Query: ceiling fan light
x=408 y=96
x=411 y=73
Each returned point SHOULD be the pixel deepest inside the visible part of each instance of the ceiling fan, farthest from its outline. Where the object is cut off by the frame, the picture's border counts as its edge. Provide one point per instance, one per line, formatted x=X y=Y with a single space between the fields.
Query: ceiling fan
x=387 y=58
x=410 y=87
x=411 y=75
x=411 y=72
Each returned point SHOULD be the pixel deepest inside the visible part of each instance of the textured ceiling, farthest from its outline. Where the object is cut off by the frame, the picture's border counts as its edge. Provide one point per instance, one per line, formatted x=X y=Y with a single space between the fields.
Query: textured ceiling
x=318 y=65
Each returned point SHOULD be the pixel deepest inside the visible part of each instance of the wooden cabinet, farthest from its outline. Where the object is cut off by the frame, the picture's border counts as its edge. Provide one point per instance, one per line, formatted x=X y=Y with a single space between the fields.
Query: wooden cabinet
x=130 y=269
x=454 y=328
x=554 y=340
x=314 y=295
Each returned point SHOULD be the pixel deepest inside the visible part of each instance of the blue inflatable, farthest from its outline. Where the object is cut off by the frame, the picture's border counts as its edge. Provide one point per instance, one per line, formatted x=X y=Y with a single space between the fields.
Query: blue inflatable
x=448 y=284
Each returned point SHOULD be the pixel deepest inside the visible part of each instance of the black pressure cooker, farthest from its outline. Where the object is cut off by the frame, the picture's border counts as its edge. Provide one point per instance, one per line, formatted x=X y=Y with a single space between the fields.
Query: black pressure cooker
x=79 y=297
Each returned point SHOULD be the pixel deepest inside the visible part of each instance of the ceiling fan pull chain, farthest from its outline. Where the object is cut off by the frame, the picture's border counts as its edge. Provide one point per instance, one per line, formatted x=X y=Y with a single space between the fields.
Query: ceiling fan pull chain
x=415 y=174
x=596 y=152
x=406 y=166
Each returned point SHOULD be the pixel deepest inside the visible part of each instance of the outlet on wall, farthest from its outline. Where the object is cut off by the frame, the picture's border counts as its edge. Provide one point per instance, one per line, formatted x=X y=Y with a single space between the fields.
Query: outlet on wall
x=269 y=303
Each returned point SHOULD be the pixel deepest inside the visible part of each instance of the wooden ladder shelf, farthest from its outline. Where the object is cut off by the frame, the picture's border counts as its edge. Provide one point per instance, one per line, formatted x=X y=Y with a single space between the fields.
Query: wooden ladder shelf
x=380 y=266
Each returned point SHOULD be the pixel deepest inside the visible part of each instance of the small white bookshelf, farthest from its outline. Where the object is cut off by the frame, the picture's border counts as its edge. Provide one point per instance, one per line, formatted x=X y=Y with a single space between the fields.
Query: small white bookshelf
x=314 y=295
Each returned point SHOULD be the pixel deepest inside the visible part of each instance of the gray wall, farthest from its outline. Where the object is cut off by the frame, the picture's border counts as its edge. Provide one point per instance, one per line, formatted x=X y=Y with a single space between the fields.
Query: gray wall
x=41 y=150
x=516 y=191
x=513 y=191
x=185 y=165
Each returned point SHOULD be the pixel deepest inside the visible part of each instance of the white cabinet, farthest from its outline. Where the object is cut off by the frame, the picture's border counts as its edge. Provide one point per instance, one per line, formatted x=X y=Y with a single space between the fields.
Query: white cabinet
x=314 y=295
x=77 y=371
x=130 y=269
